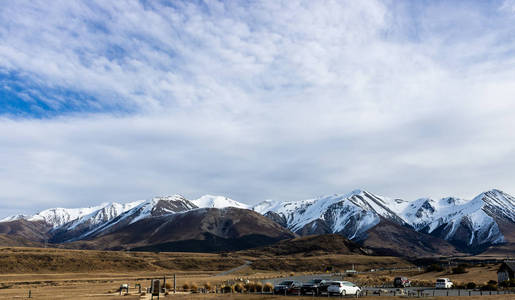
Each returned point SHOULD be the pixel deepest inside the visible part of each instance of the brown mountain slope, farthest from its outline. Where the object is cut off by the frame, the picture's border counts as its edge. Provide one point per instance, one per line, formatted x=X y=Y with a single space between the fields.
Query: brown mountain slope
x=200 y=230
x=389 y=238
x=311 y=245
x=506 y=249
x=31 y=230
x=17 y=241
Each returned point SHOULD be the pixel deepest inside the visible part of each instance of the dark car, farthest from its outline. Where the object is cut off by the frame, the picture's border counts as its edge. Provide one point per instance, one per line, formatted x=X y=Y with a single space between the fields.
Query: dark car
x=287 y=287
x=314 y=287
x=401 y=282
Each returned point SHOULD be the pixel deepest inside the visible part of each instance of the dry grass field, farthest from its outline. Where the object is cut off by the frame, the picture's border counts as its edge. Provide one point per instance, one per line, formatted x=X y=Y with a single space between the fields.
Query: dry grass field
x=84 y=274
x=270 y=297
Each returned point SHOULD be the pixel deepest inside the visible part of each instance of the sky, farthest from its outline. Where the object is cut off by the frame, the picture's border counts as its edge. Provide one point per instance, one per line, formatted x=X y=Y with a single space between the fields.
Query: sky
x=105 y=101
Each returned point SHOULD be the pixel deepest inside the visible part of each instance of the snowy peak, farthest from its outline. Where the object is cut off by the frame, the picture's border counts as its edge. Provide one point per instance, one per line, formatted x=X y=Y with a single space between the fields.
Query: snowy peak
x=351 y=214
x=265 y=206
x=468 y=224
x=497 y=203
x=210 y=201
x=57 y=217
x=14 y=218
x=106 y=213
x=159 y=206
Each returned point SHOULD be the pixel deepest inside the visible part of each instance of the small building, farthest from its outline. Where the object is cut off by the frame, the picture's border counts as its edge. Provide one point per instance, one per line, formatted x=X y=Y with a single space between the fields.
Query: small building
x=506 y=271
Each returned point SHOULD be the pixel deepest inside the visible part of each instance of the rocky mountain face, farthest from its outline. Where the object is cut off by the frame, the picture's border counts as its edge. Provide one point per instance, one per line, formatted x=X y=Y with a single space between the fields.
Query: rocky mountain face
x=390 y=226
x=170 y=223
x=199 y=230
x=470 y=225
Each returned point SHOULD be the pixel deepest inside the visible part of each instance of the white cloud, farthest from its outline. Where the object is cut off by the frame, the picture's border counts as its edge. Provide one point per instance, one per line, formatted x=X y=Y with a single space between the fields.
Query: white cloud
x=274 y=99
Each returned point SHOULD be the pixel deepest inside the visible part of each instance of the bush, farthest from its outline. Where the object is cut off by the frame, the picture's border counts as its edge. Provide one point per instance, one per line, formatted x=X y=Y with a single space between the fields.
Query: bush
x=239 y=288
x=194 y=287
x=268 y=287
x=489 y=287
x=226 y=289
x=492 y=282
x=208 y=286
x=250 y=286
x=259 y=287
x=434 y=268
x=168 y=286
x=185 y=287
x=471 y=285
x=507 y=283
x=460 y=269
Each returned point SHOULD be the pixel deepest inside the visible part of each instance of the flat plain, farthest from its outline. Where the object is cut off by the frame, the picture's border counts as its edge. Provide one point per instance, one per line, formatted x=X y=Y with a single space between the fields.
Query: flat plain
x=85 y=274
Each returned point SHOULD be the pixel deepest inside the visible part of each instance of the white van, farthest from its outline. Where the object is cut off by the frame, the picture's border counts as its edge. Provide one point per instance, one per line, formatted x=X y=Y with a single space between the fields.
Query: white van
x=444 y=283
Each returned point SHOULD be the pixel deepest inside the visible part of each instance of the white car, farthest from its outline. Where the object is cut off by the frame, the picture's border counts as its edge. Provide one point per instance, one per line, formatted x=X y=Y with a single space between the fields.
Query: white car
x=444 y=283
x=343 y=288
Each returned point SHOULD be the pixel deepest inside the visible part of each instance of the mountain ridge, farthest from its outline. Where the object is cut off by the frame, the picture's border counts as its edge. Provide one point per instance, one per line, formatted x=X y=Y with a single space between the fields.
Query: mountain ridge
x=469 y=225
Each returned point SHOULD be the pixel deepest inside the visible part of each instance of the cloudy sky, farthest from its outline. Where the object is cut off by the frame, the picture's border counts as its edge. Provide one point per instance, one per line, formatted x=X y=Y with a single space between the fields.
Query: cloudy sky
x=124 y=100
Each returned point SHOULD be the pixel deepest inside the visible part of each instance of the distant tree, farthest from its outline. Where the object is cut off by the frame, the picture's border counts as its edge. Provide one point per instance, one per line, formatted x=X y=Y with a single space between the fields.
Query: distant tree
x=460 y=269
x=434 y=268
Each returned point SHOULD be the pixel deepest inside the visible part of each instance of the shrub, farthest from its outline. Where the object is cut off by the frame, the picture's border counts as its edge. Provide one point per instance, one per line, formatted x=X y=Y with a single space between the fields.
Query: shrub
x=268 y=287
x=489 y=287
x=239 y=288
x=434 y=268
x=185 y=287
x=259 y=287
x=471 y=285
x=194 y=287
x=228 y=289
x=208 y=286
x=492 y=282
x=460 y=269
x=168 y=286
x=507 y=283
x=250 y=286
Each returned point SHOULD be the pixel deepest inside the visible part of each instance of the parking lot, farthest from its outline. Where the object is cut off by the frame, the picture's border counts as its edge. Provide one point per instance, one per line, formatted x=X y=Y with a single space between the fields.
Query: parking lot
x=389 y=291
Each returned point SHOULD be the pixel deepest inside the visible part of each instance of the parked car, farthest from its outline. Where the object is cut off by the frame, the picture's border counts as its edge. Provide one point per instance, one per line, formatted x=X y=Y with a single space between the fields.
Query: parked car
x=444 y=283
x=401 y=282
x=287 y=287
x=343 y=288
x=314 y=287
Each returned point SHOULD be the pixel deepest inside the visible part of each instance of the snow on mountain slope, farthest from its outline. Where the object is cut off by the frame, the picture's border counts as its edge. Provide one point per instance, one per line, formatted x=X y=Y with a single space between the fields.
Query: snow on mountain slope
x=351 y=214
x=158 y=206
x=59 y=216
x=14 y=218
x=265 y=206
x=209 y=201
x=498 y=203
x=466 y=223
x=104 y=214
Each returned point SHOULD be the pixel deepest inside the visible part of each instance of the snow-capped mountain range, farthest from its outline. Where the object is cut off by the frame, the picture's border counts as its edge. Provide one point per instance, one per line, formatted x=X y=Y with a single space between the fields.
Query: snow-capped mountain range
x=467 y=224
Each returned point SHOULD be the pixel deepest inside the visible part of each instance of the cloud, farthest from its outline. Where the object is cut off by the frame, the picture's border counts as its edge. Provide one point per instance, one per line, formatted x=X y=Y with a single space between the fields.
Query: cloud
x=123 y=100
